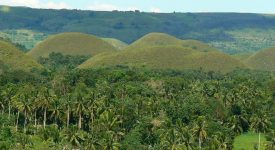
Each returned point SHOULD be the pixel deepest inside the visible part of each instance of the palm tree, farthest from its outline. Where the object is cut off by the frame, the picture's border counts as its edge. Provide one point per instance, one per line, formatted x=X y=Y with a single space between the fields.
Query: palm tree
x=55 y=110
x=45 y=99
x=7 y=94
x=271 y=140
x=80 y=108
x=199 y=129
x=169 y=139
x=22 y=101
x=92 y=107
x=236 y=122
x=185 y=136
x=260 y=124
x=67 y=105
x=74 y=136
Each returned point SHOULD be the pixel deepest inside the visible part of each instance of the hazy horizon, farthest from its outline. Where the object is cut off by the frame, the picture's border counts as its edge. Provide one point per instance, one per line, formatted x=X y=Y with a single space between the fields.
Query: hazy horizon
x=163 y=6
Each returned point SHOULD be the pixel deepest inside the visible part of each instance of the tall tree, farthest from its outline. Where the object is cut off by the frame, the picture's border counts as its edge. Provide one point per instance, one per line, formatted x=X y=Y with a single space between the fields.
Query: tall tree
x=260 y=124
x=199 y=130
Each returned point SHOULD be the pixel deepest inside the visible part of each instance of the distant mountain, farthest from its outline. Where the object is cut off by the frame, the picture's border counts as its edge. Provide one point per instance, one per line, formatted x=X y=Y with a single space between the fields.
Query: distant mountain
x=71 y=44
x=230 y=32
x=13 y=59
x=263 y=60
x=161 y=51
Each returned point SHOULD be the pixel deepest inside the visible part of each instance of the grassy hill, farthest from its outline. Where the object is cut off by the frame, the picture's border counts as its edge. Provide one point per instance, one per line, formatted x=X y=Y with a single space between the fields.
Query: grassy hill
x=262 y=60
x=230 y=32
x=166 y=57
x=116 y=43
x=162 y=39
x=71 y=44
x=14 y=59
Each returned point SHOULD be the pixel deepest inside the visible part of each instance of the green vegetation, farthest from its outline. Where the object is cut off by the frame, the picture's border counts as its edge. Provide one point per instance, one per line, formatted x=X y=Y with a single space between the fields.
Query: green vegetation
x=57 y=61
x=248 y=141
x=246 y=40
x=123 y=108
x=71 y=44
x=159 y=93
x=263 y=60
x=14 y=59
x=116 y=43
x=26 y=38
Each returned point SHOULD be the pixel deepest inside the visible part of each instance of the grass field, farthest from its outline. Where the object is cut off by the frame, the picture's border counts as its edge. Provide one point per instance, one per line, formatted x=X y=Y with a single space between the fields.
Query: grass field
x=247 y=141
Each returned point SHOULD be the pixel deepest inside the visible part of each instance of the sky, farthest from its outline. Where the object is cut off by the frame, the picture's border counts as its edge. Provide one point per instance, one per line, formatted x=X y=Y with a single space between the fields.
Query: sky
x=157 y=6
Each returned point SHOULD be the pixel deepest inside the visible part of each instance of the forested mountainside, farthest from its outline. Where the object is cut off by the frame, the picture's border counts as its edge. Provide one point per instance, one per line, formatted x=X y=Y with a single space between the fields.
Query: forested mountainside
x=231 y=32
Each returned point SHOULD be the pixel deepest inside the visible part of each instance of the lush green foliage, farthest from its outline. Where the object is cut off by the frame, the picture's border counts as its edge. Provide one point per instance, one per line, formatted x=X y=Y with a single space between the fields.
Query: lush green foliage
x=57 y=61
x=124 y=108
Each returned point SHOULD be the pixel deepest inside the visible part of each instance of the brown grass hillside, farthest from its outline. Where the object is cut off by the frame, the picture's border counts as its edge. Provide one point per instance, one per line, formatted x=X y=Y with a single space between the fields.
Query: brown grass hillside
x=71 y=44
x=15 y=59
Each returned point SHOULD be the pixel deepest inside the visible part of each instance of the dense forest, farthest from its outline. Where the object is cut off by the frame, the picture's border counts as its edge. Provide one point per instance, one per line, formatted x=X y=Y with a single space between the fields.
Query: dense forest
x=133 y=108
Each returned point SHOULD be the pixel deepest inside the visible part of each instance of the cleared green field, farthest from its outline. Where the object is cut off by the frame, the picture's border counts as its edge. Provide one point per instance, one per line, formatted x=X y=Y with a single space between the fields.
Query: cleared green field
x=27 y=38
x=247 y=141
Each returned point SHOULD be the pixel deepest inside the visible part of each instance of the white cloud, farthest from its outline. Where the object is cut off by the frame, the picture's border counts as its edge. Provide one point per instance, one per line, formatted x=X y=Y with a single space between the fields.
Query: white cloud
x=35 y=4
x=155 y=10
x=58 y=5
x=109 y=7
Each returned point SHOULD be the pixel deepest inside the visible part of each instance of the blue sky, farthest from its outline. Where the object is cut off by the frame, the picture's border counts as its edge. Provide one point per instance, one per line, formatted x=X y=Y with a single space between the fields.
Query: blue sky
x=254 y=6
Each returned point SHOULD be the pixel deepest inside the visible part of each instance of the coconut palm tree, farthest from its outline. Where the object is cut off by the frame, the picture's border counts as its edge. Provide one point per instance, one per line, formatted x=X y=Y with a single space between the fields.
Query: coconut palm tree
x=74 y=136
x=80 y=108
x=7 y=94
x=56 y=110
x=271 y=140
x=67 y=102
x=260 y=124
x=199 y=130
x=45 y=98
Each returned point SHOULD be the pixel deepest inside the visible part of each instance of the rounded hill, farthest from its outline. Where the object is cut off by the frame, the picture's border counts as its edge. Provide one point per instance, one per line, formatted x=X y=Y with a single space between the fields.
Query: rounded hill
x=262 y=60
x=163 y=39
x=167 y=57
x=71 y=44
x=14 y=59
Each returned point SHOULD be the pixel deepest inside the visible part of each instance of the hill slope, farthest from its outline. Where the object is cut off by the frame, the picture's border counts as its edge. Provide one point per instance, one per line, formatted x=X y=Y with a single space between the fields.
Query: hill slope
x=71 y=44
x=166 y=57
x=116 y=43
x=14 y=59
x=262 y=60
x=162 y=39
